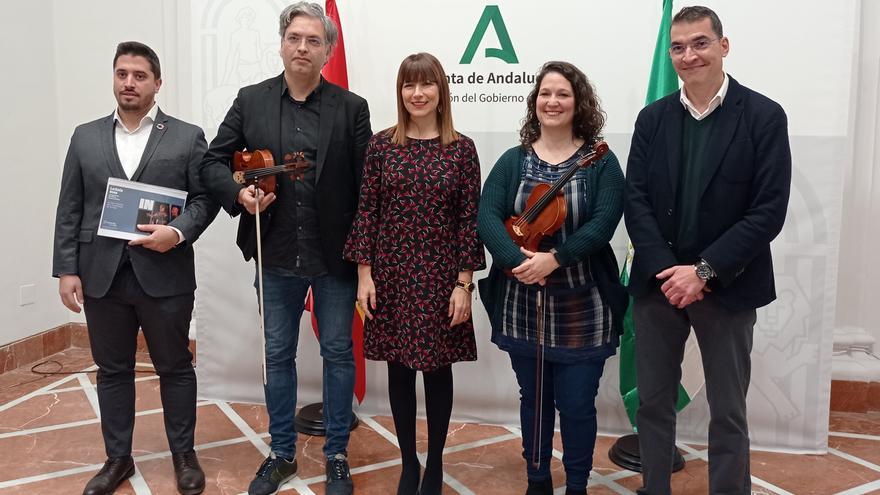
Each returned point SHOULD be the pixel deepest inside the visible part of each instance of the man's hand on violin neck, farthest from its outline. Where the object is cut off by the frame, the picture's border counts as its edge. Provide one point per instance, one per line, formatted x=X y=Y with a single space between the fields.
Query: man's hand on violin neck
x=250 y=196
x=161 y=238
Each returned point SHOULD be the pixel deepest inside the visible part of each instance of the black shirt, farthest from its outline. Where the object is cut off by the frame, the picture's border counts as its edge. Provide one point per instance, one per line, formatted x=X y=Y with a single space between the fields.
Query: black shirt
x=293 y=243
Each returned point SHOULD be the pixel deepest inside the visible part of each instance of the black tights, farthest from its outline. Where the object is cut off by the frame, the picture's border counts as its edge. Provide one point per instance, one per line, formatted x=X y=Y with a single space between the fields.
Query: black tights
x=438 y=405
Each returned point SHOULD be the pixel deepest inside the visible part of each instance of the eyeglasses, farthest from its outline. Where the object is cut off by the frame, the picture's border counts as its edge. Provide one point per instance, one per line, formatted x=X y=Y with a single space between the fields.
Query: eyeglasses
x=311 y=41
x=698 y=46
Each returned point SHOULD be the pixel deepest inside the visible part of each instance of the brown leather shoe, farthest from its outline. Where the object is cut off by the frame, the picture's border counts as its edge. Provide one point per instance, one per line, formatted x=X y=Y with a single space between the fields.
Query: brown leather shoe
x=115 y=471
x=189 y=474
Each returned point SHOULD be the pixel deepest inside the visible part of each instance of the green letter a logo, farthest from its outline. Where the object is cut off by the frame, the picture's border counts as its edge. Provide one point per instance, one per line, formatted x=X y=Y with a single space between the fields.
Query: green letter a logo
x=491 y=14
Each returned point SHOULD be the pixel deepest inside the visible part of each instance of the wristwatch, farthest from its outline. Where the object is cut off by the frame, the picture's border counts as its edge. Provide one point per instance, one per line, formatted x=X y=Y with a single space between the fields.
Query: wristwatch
x=468 y=286
x=704 y=271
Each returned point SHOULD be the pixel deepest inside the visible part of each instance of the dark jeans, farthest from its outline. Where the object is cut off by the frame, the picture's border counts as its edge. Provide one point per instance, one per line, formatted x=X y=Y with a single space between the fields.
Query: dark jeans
x=284 y=300
x=570 y=388
x=113 y=322
x=725 y=340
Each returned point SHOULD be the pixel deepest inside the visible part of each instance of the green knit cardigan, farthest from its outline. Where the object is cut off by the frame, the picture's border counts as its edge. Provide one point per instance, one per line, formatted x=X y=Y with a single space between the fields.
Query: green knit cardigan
x=605 y=184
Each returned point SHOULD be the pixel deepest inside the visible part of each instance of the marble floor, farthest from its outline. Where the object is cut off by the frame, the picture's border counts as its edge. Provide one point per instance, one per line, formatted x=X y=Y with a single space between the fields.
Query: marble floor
x=50 y=443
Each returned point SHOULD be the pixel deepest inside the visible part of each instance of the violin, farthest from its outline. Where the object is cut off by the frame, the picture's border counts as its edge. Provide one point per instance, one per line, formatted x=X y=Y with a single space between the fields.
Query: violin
x=545 y=207
x=258 y=167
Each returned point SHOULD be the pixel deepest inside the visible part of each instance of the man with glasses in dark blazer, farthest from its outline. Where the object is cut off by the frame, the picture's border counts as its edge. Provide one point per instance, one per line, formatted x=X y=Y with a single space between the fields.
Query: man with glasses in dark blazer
x=304 y=226
x=708 y=181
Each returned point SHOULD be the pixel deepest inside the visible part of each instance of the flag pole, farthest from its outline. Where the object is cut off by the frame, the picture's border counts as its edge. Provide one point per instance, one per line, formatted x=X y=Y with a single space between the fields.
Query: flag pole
x=625 y=451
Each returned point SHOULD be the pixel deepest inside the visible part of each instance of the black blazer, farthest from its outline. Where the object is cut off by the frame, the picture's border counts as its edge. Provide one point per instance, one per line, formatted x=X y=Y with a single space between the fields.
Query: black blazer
x=171 y=158
x=745 y=188
x=254 y=122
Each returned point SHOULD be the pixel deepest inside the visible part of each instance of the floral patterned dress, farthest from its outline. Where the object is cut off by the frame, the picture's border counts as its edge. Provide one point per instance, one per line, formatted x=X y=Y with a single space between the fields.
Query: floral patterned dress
x=417 y=227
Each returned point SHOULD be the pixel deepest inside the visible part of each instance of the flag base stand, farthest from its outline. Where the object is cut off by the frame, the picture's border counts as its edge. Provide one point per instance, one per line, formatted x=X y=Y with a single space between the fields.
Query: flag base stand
x=625 y=453
x=310 y=420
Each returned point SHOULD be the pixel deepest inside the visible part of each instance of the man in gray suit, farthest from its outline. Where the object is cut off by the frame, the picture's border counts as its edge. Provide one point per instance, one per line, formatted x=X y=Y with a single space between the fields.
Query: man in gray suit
x=147 y=283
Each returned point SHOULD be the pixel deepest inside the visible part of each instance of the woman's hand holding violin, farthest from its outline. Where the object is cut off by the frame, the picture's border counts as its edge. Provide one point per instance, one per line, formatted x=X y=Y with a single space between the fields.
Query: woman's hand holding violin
x=536 y=268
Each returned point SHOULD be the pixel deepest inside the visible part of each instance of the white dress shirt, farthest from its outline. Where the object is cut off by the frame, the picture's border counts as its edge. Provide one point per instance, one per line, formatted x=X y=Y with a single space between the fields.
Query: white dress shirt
x=130 y=144
x=714 y=103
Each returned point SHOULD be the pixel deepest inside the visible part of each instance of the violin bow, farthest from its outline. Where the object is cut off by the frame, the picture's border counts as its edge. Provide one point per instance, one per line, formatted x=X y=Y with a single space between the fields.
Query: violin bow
x=539 y=381
x=258 y=193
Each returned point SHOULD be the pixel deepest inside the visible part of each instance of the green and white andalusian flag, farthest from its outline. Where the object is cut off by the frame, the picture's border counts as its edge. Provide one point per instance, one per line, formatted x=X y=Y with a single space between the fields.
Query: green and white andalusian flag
x=663 y=81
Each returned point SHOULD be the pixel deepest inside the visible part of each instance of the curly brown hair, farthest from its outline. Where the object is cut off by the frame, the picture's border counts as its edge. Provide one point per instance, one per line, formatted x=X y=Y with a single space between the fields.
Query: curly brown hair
x=589 y=118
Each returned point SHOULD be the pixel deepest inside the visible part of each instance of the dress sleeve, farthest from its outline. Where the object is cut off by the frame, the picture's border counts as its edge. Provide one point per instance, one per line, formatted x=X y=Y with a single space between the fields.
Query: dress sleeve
x=470 y=249
x=361 y=241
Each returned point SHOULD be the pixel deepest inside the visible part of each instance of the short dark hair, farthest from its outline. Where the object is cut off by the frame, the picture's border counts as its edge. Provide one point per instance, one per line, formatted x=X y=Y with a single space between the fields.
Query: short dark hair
x=141 y=50
x=589 y=119
x=696 y=14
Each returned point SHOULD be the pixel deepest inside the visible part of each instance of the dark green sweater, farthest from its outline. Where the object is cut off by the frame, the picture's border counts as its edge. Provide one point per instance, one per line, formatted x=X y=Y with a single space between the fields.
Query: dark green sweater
x=694 y=139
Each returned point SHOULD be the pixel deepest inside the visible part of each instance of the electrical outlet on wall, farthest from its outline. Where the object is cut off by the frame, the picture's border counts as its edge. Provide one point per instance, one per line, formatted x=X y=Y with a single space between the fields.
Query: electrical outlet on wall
x=26 y=294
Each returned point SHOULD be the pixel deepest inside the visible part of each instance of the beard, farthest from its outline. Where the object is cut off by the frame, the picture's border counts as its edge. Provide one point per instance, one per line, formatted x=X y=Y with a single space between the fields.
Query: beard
x=132 y=104
x=129 y=106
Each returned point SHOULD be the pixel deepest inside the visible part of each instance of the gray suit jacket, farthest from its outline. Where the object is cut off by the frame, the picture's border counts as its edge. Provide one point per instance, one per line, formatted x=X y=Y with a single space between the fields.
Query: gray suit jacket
x=171 y=158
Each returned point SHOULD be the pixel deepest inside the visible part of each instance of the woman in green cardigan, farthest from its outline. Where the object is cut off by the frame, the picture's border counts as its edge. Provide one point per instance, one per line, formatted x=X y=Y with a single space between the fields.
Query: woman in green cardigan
x=574 y=269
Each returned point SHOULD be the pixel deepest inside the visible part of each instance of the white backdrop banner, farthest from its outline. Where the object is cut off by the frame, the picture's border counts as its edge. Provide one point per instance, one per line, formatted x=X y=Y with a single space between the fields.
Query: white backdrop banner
x=491 y=51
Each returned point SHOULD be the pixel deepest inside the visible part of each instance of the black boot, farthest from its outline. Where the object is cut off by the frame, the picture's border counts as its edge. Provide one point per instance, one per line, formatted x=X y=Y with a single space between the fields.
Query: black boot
x=188 y=472
x=115 y=471
x=540 y=487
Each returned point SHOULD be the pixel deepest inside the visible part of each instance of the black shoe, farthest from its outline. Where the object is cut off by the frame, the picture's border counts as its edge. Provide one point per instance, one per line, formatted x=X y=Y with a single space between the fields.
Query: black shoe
x=188 y=472
x=569 y=491
x=409 y=479
x=115 y=471
x=432 y=481
x=544 y=487
x=338 y=476
x=272 y=473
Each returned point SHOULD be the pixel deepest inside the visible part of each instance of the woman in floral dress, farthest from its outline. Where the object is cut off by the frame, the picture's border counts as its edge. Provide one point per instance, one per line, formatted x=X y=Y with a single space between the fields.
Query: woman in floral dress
x=416 y=245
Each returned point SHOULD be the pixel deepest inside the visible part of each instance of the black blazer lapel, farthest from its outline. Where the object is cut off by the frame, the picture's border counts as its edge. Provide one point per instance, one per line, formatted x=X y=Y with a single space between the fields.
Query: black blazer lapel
x=108 y=146
x=672 y=122
x=722 y=132
x=159 y=128
x=272 y=120
x=325 y=131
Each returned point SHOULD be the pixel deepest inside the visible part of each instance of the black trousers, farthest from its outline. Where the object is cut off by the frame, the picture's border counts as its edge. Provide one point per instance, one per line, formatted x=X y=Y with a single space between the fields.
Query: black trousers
x=113 y=322
x=725 y=340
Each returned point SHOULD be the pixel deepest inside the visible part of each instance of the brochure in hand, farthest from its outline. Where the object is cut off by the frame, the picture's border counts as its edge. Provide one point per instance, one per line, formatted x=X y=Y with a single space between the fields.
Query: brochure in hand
x=127 y=204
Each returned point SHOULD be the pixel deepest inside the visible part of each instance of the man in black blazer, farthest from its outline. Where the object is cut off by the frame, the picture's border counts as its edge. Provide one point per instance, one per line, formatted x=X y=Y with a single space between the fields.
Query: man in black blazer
x=304 y=226
x=147 y=283
x=708 y=181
